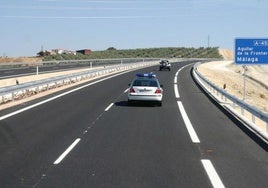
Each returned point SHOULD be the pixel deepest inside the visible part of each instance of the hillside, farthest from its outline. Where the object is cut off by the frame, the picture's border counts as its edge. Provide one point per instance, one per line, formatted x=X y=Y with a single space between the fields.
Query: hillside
x=226 y=54
x=171 y=52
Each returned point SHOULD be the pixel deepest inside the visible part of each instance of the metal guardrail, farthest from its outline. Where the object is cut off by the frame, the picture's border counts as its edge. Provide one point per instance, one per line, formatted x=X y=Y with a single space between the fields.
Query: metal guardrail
x=12 y=93
x=243 y=105
x=92 y=62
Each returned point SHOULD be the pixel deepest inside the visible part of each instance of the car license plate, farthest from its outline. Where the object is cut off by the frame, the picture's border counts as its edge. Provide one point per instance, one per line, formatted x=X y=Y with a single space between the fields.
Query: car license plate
x=144 y=90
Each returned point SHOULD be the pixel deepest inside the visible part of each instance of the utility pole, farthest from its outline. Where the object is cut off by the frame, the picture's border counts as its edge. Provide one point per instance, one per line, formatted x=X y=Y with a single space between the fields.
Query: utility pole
x=208 y=41
x=208 y=46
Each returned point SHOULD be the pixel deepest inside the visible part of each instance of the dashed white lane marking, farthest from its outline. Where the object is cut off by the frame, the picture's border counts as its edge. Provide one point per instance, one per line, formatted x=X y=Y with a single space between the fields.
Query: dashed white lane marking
x=126 y=90
x=176 y=90
x=106 y=109
x=212 y=174
x=208 y=166
x=177 y=95
x=67 y=151
x=188 y=124
x=176 y=78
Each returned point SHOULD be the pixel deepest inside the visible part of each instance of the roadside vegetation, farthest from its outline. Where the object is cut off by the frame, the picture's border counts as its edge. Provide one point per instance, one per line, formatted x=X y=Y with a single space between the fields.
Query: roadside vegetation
x=181 y=52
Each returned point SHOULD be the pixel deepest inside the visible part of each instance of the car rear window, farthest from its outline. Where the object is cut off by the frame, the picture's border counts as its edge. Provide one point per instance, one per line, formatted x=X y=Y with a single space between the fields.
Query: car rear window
x=148 y=83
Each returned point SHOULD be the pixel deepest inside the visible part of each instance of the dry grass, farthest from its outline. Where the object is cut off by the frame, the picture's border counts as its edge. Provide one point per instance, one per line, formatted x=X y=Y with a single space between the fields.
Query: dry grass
x=19 y=59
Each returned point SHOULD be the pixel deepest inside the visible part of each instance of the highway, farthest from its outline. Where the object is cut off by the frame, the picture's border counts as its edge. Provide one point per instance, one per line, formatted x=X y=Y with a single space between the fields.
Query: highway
x=31 y=70
x=88 y=136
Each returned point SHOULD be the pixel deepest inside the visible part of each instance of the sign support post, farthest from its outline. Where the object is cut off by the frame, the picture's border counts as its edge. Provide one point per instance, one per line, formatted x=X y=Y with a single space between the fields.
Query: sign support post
x=244 y=81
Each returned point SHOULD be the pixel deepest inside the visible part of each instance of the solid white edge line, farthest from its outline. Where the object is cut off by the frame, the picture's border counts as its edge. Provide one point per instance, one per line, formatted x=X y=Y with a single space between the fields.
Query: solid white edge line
x=175 y=79
x=188 y=124
x=212 y=174
x=109 y=107
x=176 y=75
x=177 y=95
x=67 y=151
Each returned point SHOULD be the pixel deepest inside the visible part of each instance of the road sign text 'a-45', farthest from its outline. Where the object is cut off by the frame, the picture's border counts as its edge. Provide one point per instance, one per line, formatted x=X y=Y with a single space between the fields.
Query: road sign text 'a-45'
x=251 y=51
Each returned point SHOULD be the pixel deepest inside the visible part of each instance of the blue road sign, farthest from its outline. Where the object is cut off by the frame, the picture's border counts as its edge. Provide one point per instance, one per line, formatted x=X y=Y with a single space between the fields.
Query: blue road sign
x=251 y=51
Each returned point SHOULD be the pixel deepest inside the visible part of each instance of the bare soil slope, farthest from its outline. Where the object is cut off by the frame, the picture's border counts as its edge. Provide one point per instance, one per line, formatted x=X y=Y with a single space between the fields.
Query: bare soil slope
x=228 y=73
x=227 y=54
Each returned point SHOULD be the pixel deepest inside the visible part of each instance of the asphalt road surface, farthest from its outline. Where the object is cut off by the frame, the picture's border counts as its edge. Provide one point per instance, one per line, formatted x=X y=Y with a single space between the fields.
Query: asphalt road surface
x=88 y=136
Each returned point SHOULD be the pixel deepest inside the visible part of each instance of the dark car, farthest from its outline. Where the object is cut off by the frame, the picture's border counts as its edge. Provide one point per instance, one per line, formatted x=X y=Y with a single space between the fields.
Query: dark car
x=164 y=65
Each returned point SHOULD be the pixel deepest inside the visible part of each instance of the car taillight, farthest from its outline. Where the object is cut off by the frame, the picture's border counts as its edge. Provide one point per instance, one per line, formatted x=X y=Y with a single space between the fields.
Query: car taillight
x=131 y=90
x=158 y=90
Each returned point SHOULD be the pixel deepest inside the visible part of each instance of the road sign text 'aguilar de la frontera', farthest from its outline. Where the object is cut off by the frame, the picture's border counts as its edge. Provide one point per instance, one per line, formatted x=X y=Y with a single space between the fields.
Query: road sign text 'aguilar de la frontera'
x=251 y=51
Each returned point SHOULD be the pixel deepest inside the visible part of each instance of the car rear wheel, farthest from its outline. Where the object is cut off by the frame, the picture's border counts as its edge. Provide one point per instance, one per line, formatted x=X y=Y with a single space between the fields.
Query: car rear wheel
x=130 y=103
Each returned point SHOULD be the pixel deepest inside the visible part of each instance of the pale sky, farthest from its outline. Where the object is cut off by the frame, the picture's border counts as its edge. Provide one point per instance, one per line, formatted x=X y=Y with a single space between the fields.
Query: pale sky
x=26 y=25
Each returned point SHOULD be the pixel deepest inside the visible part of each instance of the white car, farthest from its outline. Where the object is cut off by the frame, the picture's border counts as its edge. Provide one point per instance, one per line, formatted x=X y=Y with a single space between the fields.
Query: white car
x=145 y=87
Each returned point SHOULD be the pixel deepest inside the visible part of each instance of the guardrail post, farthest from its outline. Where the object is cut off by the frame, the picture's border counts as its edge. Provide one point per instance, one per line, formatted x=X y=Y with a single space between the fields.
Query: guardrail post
x=13 y=96
x=253 y=118
x=242 y=111
x=27 y=92
x=37 y=70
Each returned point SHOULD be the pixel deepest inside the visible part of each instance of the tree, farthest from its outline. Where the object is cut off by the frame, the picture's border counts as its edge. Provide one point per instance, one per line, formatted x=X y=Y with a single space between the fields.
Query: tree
x=111 y=48
x=41 y=54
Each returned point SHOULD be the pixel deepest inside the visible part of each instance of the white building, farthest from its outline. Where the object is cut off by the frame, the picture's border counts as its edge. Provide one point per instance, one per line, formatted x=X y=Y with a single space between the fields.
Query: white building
x=63 y=51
